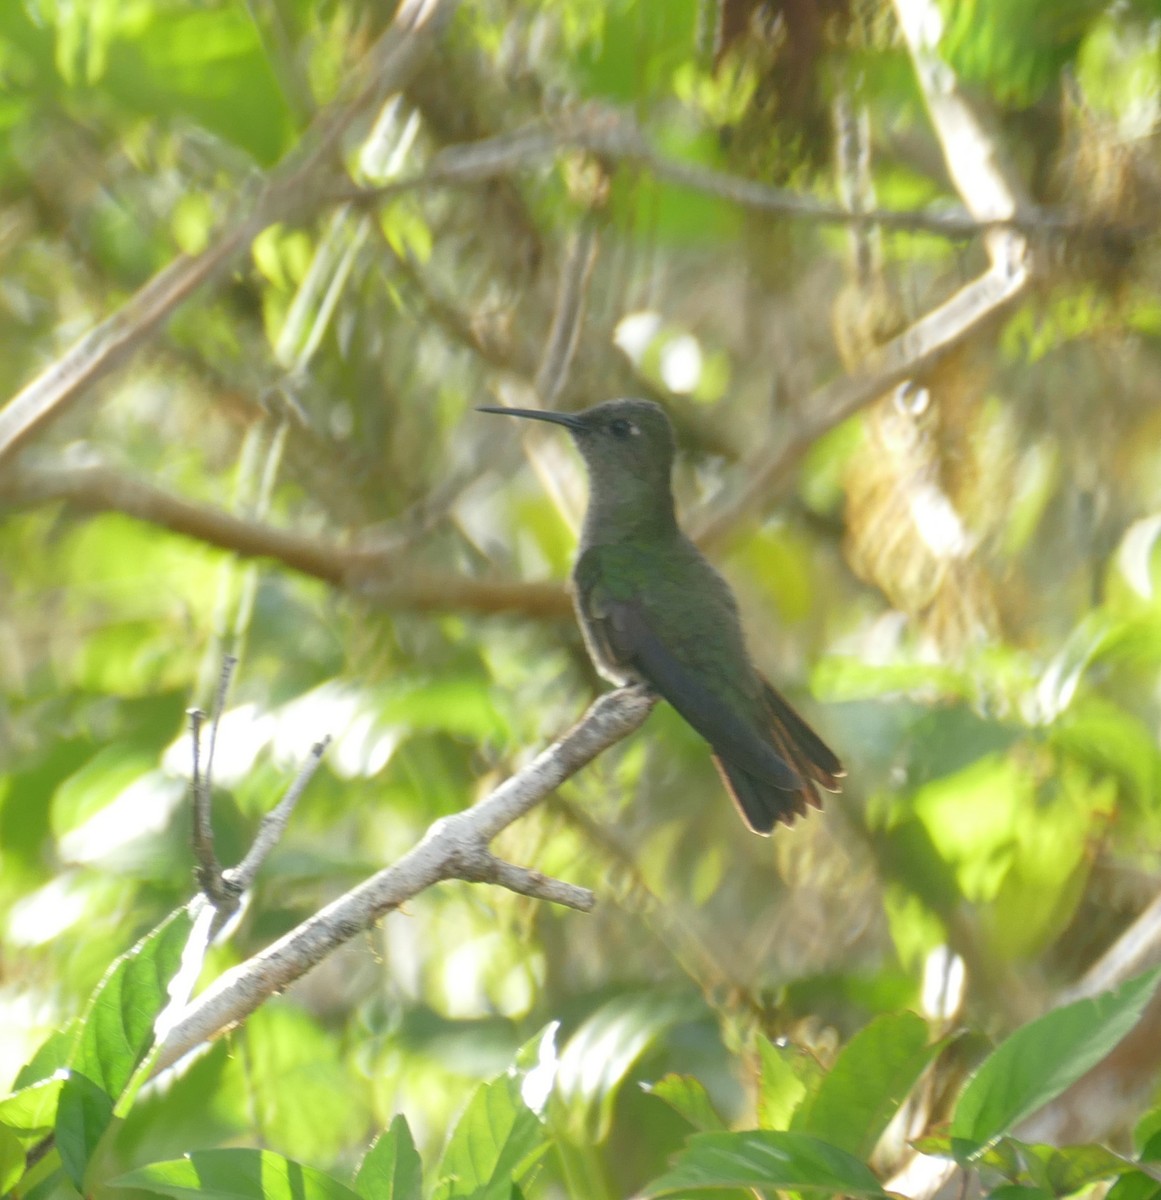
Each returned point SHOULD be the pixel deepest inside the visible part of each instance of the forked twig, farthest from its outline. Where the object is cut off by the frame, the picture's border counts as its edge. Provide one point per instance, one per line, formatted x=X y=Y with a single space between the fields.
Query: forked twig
x=455 y=847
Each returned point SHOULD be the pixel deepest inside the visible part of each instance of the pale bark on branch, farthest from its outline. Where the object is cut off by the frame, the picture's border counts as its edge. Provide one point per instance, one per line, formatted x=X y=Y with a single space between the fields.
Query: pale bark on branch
x=455 y=847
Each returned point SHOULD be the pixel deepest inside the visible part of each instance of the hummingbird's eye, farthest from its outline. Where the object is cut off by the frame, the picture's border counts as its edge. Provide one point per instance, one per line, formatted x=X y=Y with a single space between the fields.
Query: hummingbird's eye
x=620 y=428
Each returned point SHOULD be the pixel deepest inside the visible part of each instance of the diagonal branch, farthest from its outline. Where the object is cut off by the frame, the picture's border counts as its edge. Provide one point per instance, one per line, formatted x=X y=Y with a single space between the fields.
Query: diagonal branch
x=381 y=577
x=909 y=354
x=455 y=847
x=972 y=158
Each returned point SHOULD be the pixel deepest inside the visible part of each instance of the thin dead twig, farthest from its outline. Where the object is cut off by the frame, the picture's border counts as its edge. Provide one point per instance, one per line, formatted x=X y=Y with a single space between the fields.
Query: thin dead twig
x=274 y=823
x=209 y=871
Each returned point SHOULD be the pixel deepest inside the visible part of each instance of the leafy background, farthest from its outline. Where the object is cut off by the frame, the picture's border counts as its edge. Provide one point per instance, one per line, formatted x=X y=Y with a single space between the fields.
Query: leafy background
x=958 y=585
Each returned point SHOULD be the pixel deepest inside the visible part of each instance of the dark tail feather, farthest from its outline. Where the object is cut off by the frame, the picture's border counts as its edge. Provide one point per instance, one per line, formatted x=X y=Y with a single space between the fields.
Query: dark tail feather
x=761 y=804
x=810 y=756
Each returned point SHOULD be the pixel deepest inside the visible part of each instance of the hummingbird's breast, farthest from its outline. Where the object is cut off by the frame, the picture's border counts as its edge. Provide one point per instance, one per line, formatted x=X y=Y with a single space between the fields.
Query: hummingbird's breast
x=682 y=602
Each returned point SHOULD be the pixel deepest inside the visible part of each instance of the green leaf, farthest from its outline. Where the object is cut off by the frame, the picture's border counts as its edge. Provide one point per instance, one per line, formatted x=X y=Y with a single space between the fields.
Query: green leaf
x=1151 y=1147
x=863 y=1090
x=166 y=69
x=463 y=705
x=117 y=1030
x=1135 y=1185
x=1064 y=1170
x=11 y=1160
x=599 y=1056
x=763 y=1158
x=688 y=1097
x=1111 y=738
x=96 y=784
x=235 y=1175
x=781 y=1086
x=836 y=679
x=51 y=1057
x=391 y=1169
x=493 y=1142
x=971 y=818
x=84 y=1113
x=638 y=49
x=296 y=1076
x=1044 y=1057
x=1018 y=1191
x=31 y=1112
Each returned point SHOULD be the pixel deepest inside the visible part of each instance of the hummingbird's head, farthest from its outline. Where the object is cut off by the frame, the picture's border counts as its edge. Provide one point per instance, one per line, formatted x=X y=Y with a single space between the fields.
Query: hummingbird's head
x=628 y=449
x=617 y=438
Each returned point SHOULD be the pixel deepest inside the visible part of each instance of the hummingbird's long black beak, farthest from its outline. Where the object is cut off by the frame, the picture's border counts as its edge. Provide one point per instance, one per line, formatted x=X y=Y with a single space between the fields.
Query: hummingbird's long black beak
x=538 y=414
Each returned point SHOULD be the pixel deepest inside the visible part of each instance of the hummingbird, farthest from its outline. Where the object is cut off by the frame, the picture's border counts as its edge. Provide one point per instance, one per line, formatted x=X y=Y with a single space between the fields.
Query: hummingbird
x=653 y=611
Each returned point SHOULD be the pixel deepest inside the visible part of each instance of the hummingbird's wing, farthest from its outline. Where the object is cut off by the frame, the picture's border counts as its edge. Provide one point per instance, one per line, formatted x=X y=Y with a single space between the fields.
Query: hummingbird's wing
x=634 y=641
x=770 y=760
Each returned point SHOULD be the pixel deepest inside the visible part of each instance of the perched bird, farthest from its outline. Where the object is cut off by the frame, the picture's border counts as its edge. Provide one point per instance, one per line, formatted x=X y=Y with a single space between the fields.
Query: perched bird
x=653 y=611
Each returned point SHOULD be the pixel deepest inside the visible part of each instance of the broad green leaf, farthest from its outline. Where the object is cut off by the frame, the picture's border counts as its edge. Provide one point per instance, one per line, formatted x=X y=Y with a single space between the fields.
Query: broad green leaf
x=1056 y=1171
x=392 y=1169
x=51 y=1056
x=597 y=1059
x=836 y=679
x=1019 y=1191
x=687 y=1096
x=636 y=50
x=1048 y=862
x=462 y=705
x=31 y=1112
x=951 y=738
x=781 y=1086
x=941 y=1146
x=117 y=1030
x=1136 y=1185
x=235 y=1175
x=11 y=1160
x=493 y=1142
x=1111 y=738
x=1148 y=1136
x=1044 y=1057
x=296 y=1077
x=406 y=230
x=764 y=1159
x=84 y=1113
x=972 y=817
x=863 y=1090
x=204 y=64
x=98 y=783
x=1016 y=51
x=1064 y=1170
